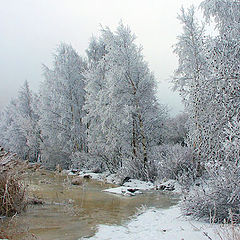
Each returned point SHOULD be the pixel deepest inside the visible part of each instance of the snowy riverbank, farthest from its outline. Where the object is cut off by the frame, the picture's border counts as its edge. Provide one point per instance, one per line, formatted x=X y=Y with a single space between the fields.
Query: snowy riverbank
x=127 y=186
x=151 y=224
x=158 y=224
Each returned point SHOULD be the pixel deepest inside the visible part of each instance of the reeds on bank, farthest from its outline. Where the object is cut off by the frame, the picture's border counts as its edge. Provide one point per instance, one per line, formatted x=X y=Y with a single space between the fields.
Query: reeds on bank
x=12 y=190
x=12 y=194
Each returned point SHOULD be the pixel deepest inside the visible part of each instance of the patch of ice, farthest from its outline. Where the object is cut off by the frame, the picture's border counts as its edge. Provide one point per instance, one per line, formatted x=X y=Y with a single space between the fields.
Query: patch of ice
x=64 y=171
x=95 y=176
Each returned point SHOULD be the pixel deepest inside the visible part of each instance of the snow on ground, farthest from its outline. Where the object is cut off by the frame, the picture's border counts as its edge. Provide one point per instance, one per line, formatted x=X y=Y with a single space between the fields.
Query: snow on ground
x=132 y=184
x=125 y=191
x=141 y=185
x=104 y=177
x=131 y=188
x=157 y=224
x=153 y=224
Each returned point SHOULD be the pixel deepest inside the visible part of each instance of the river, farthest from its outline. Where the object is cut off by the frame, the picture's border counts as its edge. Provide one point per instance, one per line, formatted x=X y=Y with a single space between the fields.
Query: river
x=71 y=212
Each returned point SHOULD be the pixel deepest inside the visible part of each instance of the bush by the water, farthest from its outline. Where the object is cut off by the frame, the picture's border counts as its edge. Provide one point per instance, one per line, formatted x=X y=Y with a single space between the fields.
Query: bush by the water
x=174 y=162
x=218 y=196
x=166 y=161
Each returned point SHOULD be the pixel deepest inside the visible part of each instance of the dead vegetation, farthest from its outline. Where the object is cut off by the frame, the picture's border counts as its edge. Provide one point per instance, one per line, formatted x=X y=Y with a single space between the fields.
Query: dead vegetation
x=12 y=195
x=12 y=190
x=229 y=230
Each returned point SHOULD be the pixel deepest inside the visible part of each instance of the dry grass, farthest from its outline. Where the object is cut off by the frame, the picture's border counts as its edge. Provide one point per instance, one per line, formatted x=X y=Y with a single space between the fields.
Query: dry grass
x=12 y=190
x=12 y=194
x=228 y=232
x=13 y=197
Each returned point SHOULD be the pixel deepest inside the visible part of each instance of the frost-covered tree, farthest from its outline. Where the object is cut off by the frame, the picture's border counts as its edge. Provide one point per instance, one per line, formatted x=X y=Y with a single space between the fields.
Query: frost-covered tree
x=28 y=117
x=128 y=119
x=214 y=104
x=95 y=79
x=62 y=100
x=19 y=125
x=190 y=75
x=208 y=77
x=224 y=61
x=12 y=136
x=177 y=129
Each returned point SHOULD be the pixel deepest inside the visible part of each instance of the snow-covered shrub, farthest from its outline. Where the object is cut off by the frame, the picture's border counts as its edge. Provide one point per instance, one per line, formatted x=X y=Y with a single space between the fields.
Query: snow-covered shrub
x=232 y=142
x=174 y=162
x=217 y=196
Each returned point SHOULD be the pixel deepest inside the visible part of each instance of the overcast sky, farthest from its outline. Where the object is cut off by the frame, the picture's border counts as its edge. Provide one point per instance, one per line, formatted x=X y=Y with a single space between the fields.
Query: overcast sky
x=31 y=29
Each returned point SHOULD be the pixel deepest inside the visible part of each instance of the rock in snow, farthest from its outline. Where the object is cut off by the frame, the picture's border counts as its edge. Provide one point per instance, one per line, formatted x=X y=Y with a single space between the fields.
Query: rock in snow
x=170 y=185
x=77 y=181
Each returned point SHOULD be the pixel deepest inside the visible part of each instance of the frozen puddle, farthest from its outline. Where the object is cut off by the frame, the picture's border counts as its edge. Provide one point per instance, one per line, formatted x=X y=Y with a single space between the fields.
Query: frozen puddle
x=157 y=224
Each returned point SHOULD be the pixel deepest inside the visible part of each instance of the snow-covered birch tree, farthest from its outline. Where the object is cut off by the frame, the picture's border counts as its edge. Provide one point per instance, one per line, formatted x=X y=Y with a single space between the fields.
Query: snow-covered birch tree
x=19 y=125
x=224 y=79
x=190 y=76
x=12 y=136
x=130 y=119
x=216 y=125
x=62 y=100
x=208 y=76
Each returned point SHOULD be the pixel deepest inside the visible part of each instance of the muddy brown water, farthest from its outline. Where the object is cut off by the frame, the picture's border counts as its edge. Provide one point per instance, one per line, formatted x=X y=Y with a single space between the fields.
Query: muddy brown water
x=72 y=212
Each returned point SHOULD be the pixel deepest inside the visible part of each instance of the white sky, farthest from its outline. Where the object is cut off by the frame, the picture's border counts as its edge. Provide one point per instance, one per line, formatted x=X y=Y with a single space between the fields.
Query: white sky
x=31 y=29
